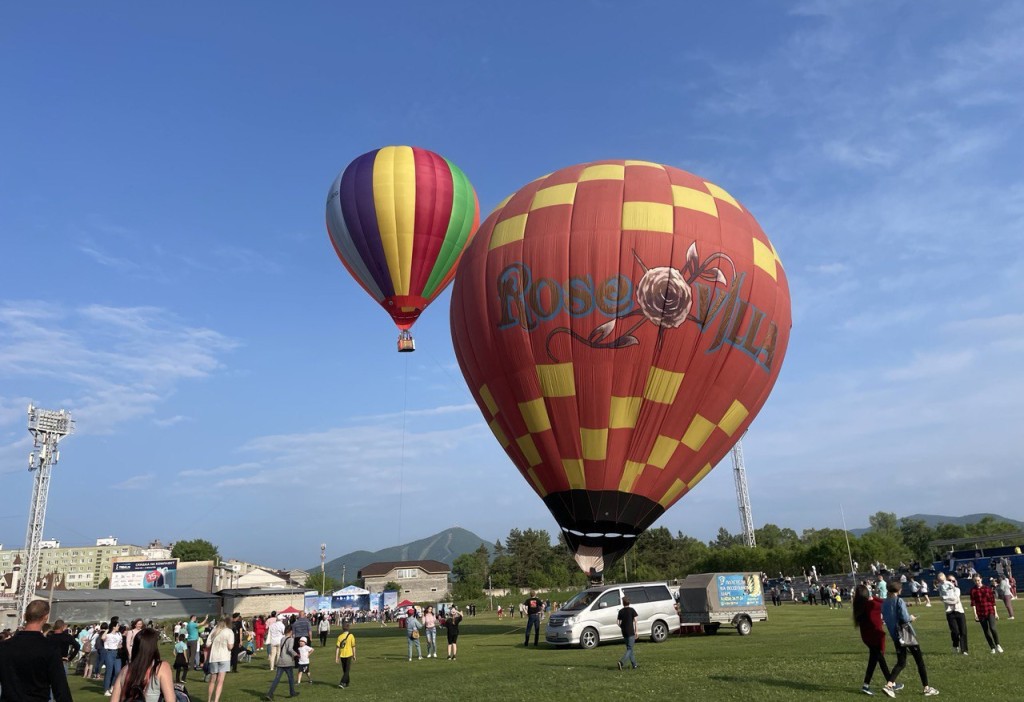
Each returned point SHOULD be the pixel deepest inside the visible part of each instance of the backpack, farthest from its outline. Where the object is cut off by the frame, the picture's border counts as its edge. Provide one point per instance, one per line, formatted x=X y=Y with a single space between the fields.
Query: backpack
x=180 y=694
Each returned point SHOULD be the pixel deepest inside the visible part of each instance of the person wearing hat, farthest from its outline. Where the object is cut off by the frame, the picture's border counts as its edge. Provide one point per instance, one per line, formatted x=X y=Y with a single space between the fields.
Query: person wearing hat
x=412 y=629
x=305 y=650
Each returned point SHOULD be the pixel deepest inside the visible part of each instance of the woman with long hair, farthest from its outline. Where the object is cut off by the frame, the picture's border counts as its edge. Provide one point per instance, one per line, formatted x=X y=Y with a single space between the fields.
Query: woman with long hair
x=220 y=642
x=146 y=677
x=895 y=613
x=867 y=616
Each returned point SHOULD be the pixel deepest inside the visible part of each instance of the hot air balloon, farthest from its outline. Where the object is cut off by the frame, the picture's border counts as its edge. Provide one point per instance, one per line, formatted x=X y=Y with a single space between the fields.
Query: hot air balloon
x=399 y=218
x=620 y=324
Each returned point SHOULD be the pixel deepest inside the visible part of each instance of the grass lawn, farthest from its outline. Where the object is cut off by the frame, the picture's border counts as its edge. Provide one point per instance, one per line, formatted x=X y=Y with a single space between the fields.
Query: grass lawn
x=801 y=653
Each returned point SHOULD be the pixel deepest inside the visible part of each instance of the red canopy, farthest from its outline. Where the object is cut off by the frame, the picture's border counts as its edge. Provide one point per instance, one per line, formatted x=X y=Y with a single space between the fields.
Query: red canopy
x=290 y=610
x=406 y=603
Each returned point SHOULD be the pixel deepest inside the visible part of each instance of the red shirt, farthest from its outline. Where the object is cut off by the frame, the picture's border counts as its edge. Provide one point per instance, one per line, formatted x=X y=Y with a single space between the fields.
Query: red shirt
x=872 y=632
x=983 y=599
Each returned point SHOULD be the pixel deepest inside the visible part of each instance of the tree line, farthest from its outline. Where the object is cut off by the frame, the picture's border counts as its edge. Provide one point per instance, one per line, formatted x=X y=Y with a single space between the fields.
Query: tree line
x=529 y=558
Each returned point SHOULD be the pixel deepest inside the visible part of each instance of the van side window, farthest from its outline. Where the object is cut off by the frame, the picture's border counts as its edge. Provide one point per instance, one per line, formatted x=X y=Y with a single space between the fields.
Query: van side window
x=637 y=595
x=608 y=599
x=658 y=593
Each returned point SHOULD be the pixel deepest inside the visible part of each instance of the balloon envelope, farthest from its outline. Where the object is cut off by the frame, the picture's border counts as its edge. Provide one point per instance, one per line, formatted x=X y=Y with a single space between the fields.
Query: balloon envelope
x=399 y=219
x=620 y=324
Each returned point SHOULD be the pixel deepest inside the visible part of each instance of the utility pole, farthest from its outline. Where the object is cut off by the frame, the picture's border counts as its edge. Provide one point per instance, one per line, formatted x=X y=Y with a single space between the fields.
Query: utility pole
x=47 y=427
x=742 y=496
x=323 y=573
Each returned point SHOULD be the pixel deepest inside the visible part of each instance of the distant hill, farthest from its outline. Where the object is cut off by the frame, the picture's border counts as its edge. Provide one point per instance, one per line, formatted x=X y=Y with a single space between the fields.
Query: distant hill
x=933 y=520
x=445 y=547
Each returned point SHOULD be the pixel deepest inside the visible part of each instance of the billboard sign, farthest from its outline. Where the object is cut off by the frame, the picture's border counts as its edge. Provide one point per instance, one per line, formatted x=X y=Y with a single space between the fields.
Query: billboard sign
x=144 y=574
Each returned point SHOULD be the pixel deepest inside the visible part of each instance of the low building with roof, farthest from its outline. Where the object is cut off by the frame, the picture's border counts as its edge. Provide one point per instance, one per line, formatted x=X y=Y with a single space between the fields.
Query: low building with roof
x=89 y=606
x=250 y=601
x=419 y=581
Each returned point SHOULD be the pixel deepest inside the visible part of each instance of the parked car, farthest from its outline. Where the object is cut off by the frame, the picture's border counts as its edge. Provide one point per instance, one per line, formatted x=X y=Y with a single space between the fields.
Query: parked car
x=714 y=599
x=591 y=617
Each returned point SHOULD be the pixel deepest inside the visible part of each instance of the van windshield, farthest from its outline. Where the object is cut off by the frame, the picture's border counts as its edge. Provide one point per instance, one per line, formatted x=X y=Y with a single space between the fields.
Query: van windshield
x=581 y=600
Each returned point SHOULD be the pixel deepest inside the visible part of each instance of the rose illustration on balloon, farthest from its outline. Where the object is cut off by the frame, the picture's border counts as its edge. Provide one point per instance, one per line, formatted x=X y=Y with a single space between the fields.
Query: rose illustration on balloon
x=664 y=297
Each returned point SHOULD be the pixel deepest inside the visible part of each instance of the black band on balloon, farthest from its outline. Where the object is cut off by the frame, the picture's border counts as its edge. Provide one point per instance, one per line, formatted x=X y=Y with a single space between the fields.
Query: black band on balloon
x=606 y=519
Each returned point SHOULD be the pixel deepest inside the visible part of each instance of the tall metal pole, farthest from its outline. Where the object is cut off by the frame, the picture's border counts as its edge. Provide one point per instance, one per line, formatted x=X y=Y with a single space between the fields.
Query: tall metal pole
x=742 y=496
x=47 y=428
x=323 y=573
x=853 y=571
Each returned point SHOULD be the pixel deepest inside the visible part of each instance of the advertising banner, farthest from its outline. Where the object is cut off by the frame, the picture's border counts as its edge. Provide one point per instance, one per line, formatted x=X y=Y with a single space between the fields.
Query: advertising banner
x=376 y=602
x=391 y=599
x=739 y=590
x=144 y=574
x=350 y=603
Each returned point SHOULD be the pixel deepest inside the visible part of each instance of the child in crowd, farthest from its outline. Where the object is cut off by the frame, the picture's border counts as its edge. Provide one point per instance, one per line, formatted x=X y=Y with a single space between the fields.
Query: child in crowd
x=304 y=653
x=180 y=659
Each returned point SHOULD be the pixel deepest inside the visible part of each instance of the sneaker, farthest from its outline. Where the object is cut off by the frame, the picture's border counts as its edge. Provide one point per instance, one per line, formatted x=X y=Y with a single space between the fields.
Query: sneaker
x=928 y=605
x=897 y=687
x=619 y=664
x=930 y=691
x=108 y=693
x=956 y=650
x=866 y=689
x=420 y=658
x=965 y=653
x=999 y=648
x=888 y=690
x=341 y=686
x=993 y=650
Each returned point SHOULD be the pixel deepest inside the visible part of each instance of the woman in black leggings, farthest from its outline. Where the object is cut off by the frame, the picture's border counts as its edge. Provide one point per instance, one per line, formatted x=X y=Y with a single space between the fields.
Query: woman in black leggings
x=895 y=613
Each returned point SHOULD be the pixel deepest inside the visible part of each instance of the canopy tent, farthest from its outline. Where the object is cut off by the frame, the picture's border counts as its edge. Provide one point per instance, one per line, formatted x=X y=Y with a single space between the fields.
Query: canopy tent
x=406 y=603
x=290 y=610
x=350 y=591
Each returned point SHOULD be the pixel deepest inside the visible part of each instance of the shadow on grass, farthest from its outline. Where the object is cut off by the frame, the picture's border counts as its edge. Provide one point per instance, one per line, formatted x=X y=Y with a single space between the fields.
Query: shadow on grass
x=773 y=682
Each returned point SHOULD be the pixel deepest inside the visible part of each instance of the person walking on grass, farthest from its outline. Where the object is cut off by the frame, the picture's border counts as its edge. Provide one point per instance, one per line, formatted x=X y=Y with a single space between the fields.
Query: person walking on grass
x=1005 y=594
x=285 y=664
x=30 y=666
x=219 y=643
x=983 y=602
x=949 y=593
x=627 y=623
x=895 y=613
x=324 y=629
x=146 y=678
x=867 y=616
x=412 y=628
x=451 y=623
x=305 y=650
x=533 y=608
x=430 y=629
x=345 y=653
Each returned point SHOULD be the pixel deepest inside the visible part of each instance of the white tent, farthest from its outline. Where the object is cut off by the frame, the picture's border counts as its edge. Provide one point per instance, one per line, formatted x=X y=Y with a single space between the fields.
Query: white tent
x=350 y=591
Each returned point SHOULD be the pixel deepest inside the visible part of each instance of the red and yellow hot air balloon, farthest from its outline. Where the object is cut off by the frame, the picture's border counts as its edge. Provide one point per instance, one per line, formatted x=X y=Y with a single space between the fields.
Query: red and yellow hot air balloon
x=620 y=324
x=399 y=218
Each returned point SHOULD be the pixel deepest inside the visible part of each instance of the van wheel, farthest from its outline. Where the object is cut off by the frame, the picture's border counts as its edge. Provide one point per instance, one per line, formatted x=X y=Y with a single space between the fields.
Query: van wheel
x=711 y=629
x=743 y=626
x=659 y=632
x=589 y=638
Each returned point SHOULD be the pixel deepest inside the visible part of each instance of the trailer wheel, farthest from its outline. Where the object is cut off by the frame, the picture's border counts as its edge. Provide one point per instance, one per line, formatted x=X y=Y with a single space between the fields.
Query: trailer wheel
x=743 y=626
x=710 y=629
x=659 y=631
x=589 y=638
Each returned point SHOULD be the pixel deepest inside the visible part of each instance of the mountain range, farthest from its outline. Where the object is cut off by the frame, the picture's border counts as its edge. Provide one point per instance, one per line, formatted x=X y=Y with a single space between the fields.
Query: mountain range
x=445 y=546
x=933 y=520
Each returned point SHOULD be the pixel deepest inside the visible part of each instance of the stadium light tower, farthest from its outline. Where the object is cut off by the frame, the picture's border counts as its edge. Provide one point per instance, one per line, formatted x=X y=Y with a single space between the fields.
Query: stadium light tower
x=47 y=427
x=742 y=496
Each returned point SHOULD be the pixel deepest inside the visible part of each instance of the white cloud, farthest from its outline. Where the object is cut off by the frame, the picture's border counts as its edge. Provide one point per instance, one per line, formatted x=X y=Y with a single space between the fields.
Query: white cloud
x=136 y=482
x=171 y=421
x=934 y=365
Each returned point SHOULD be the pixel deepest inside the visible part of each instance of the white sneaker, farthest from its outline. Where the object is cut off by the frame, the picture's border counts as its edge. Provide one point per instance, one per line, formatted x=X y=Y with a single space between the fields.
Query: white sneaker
x=999 y=648
x=108 y=693
x=930 y=691
x=993 y=650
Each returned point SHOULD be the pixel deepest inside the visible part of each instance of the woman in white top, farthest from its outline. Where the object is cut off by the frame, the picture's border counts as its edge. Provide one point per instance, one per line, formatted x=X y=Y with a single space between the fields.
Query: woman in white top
x=110 y=642
x=147 y=677
x=949 y=592
x=220 y=643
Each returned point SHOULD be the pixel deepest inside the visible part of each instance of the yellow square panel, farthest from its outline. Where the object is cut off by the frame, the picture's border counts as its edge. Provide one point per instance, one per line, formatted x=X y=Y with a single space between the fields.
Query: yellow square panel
x=535 y=414
x=662 y=385
x=734 y=416
x=673 y=493
x=698 y=432
x=694 y=200
x=509 y=230
x=645 y=216
x=556 y=379
x=498 y=433
x=606 y=172
x=722 y=195
x=555 y=195
x=503 y=203
x=573 y=468
x=529 y=450
x=764 y=258
x=488 y=398
x=624 y=412
x=408 y=309
x=536 y=482
x=630 y=473
x=662 y=452
x=700 y=476
x=649 y=164
x=595 y=444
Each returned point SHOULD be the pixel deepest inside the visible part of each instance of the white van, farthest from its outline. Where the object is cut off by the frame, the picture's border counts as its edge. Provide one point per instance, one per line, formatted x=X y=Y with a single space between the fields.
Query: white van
x=592 y=616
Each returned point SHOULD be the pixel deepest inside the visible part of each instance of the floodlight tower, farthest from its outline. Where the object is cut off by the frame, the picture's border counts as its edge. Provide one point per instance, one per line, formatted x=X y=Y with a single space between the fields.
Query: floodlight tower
x=47 y=427
x=742 y=496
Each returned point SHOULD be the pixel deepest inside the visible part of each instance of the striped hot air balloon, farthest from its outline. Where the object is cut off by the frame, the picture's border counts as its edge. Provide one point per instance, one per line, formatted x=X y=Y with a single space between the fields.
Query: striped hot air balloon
x=399 y=219
x=620 y=324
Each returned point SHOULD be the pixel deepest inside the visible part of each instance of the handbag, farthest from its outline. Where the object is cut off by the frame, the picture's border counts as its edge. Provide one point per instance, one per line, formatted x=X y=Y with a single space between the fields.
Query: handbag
x=906 y=634
x=415 y=633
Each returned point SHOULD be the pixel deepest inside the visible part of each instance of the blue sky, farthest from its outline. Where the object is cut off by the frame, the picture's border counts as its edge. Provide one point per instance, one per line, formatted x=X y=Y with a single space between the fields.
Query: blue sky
x=166 y=275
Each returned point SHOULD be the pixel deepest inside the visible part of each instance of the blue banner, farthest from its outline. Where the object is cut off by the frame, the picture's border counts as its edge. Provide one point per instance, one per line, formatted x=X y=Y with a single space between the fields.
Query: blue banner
x=739 y=590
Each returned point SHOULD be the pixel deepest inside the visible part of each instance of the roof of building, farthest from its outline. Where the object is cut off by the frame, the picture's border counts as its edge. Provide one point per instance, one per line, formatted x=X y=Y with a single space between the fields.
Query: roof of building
x=385 y=567
x=248 y=591
x=141 y=593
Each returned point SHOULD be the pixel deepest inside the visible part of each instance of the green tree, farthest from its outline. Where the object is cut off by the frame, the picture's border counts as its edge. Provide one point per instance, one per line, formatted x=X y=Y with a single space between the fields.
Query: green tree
x=195 y=550
x=724 y=539
x=772 y=536
x=917 y=535
x=321 y=583
x=884 y=523
x=392 y=586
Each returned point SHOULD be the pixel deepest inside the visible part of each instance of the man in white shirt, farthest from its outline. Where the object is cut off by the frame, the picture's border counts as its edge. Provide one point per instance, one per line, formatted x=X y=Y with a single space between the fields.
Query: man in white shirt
x=275 y=634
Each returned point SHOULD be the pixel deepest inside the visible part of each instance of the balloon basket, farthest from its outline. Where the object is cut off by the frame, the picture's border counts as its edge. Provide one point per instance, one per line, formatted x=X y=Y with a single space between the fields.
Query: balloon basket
x=406 y=343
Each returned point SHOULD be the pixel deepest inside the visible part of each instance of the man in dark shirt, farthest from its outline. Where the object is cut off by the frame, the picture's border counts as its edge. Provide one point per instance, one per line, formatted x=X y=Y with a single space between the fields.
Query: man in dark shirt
x=236 y=627
x=67 y=645
x=533 y=608
x=627 y=623
x=30 y=666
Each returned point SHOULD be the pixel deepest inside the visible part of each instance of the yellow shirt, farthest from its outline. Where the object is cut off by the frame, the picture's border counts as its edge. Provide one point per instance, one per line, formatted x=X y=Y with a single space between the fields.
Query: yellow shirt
x=346 y=645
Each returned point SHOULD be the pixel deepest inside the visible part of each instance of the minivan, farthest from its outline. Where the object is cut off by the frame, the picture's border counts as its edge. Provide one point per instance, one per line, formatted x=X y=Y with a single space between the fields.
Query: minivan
x=591 y=617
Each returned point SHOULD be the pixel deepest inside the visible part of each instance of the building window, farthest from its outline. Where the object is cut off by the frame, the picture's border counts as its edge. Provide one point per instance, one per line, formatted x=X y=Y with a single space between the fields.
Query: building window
x=406 y=573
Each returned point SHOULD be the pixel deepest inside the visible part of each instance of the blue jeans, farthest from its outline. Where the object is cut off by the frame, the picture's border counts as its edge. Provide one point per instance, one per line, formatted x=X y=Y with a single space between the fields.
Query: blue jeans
x=431 y=640
x=113 y=663
x=532 y=622
x=415 y=642
x=290 y=672
x=629 y=656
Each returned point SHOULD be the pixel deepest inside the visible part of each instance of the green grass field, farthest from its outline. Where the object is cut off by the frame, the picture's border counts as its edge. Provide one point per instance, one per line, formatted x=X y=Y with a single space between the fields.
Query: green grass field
x=801 y=653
